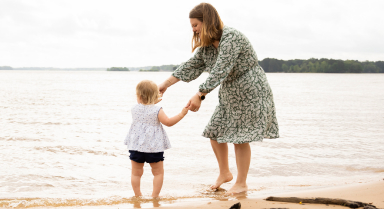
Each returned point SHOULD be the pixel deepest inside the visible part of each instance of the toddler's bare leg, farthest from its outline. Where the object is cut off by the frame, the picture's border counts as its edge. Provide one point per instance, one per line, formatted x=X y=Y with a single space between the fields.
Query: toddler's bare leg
x=137 y=172
x=158 y=176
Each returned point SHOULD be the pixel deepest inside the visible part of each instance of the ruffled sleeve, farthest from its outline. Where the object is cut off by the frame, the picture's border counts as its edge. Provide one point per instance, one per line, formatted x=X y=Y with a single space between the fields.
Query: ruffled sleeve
x=191 y=69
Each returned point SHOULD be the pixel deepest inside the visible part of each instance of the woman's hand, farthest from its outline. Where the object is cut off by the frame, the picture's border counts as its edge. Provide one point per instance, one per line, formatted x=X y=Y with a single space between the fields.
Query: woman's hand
x=194 y=103
x=163 y=87
x=167 y=83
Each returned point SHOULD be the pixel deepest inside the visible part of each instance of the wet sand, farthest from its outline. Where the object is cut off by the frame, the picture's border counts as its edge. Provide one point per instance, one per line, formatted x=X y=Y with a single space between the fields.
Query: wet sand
x=364 y=192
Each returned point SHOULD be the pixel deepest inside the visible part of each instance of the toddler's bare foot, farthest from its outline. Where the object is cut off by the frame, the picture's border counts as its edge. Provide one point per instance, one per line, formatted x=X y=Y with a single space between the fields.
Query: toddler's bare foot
x=238 y=188
x=223 y=178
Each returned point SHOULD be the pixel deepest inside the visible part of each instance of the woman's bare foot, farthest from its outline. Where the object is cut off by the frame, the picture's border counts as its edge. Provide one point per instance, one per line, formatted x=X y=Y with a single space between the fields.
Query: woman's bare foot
x=238 y=188
x=223 y=178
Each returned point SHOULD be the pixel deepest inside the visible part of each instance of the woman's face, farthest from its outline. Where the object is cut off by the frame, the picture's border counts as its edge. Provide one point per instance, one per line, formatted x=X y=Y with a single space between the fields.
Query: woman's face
x=196 y=25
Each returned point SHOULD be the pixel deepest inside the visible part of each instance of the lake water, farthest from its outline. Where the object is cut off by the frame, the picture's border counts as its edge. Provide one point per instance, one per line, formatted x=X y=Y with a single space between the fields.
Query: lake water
x=61 y=138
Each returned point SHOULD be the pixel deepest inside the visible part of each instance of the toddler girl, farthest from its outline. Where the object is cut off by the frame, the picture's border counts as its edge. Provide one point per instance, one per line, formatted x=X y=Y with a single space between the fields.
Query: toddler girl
x=147 y=139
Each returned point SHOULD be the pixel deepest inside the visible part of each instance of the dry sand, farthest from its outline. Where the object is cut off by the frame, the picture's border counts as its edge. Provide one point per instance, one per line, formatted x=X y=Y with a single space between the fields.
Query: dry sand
x=364 y=192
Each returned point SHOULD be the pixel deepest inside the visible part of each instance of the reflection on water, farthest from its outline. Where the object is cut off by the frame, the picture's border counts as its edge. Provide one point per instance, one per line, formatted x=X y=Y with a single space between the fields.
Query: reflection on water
x=135 y=202
x=61 y=138
x=56 y=202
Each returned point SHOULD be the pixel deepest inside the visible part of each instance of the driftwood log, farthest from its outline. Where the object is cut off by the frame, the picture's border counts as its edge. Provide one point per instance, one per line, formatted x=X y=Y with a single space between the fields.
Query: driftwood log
x=319 y=200
x=236 y=206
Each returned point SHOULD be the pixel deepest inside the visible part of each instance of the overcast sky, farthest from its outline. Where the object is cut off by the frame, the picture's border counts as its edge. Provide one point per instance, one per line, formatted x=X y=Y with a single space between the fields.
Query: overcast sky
x=90 y=33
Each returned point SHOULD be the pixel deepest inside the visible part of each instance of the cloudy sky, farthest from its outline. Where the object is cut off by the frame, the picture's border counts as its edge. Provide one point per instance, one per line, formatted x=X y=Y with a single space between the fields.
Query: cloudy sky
x=133 y=33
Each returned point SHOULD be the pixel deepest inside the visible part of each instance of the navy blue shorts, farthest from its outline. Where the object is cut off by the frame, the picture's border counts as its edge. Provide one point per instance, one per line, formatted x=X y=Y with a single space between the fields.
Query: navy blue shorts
x=141 y=157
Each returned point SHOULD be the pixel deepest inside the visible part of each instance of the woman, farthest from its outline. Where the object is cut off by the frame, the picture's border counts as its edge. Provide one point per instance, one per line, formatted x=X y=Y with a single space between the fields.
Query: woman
x=246 y=111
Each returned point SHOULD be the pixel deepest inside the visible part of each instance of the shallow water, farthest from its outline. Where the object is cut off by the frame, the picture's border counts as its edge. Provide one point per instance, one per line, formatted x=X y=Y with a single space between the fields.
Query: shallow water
x=61 y=137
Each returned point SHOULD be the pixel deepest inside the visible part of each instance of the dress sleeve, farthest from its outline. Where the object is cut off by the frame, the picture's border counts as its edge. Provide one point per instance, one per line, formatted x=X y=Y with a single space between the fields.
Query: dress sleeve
x=230 y=48
x=191 y=69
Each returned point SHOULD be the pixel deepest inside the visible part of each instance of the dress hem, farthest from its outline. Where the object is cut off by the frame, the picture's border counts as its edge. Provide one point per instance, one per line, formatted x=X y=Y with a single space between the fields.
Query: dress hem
x=224 y=140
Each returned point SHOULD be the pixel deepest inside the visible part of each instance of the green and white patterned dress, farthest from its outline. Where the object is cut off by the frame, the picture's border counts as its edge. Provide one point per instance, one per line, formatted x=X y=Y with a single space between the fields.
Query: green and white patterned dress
x=246 y=111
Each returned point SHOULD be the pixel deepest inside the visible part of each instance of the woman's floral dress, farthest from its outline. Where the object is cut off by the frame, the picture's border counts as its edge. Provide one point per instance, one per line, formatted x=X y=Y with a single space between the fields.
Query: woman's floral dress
x=246 y=110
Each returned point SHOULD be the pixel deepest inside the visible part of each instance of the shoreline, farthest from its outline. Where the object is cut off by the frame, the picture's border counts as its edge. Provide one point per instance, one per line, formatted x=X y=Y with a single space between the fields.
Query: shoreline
x=367 y=192
x=372 y=192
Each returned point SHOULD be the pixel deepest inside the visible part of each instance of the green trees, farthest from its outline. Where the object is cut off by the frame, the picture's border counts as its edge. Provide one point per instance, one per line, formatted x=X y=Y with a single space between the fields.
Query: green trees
x=156 y=68
x=117 y=69
x=321 y=66
x=370 y=67
x=153 y=69
x=380 y=65
x=353 y=66
x=6 y=68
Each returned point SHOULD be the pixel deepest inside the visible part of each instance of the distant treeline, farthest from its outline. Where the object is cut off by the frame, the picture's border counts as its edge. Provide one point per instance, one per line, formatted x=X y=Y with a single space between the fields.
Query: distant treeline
x=52 y=68
x=269 y=65
x=160 y=68
x=117 y=69
x=6 y=68
x=155 y=68
x=321 y=66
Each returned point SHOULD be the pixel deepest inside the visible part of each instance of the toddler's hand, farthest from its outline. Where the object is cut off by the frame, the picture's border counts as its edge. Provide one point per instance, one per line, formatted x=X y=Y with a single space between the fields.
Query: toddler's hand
x=184 y=111
x=159 y=98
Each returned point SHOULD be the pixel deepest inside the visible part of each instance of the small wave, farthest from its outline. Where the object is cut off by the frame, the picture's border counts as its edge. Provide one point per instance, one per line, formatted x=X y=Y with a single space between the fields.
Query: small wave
x=74 y=150
x=370 y=169
x=20 y=139
x=50 y=123
x=299 y=185
x=58 y=202
x=41 y=123
x=205 y=194
x=26 y=123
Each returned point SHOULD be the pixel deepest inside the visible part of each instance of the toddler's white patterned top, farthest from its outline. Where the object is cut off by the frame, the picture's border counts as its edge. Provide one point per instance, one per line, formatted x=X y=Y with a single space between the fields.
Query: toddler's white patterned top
x=146 y=133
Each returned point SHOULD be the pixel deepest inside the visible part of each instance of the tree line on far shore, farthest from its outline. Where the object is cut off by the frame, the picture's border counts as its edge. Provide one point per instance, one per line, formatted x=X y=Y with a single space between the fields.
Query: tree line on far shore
x=312 y=65
x=118 y=69
x=6 y=68
x=146 y=69
x=321 y=66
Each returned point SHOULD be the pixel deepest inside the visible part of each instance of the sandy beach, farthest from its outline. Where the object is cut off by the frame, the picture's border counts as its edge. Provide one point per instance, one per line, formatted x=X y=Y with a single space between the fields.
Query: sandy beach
x=364 y=192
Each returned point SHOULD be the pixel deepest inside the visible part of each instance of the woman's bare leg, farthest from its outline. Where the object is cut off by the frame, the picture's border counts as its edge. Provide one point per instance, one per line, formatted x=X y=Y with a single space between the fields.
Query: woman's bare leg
x=137 y=172
x=158 y=176
x=221 y=152
x=243 y=160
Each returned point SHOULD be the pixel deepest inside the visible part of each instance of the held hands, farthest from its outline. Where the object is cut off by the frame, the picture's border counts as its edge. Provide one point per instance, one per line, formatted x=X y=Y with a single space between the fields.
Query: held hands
x=194 y=103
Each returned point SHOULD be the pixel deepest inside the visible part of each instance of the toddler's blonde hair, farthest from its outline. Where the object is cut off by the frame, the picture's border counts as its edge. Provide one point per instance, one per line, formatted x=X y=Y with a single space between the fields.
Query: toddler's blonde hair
x=147 y=91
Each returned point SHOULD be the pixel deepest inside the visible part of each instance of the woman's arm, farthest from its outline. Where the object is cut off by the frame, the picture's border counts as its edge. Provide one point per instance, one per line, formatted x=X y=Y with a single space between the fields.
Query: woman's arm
x=230 y=48
x=191 y=69
x=167 y=83
x=186 y=72
x=163 y=118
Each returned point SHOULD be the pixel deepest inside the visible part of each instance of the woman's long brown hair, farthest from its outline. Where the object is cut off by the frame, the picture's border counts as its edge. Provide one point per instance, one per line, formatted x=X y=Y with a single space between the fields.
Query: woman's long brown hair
x=212 y=26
